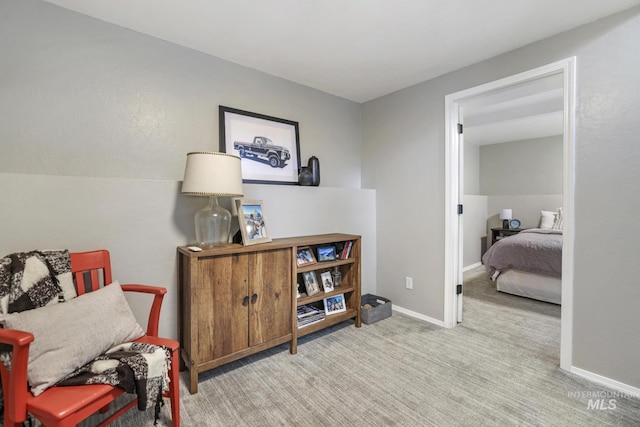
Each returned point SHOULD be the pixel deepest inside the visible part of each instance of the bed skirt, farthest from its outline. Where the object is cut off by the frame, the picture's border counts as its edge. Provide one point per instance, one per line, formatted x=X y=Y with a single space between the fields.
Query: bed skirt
x=535 y=286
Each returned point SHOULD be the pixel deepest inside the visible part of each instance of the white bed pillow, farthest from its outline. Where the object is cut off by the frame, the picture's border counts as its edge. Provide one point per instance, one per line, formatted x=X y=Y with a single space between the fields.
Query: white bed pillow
x=547 y=219
x=559 y=222
x=71 y=334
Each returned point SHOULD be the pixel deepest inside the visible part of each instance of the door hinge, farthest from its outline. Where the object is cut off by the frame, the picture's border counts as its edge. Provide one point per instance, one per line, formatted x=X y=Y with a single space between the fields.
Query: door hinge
x=460 y=209
x=460 y=128
x=458 y=289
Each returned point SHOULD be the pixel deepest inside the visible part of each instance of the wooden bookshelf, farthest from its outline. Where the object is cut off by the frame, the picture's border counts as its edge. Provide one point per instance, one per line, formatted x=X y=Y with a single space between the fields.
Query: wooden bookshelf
x=238 y=300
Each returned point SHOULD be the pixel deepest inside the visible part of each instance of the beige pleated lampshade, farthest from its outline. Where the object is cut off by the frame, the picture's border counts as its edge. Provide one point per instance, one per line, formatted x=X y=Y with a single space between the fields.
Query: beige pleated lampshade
x=212 y=174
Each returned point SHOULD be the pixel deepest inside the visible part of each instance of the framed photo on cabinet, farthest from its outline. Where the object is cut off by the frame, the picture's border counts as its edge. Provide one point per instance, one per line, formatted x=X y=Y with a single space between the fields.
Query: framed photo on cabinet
x=335 y=304
x=252 y=222
x=304 y=256
x=311 y=283
x=327 y=281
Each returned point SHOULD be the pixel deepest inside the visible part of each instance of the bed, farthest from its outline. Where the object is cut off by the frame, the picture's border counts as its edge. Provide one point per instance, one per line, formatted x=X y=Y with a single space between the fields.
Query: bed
x=528 y=264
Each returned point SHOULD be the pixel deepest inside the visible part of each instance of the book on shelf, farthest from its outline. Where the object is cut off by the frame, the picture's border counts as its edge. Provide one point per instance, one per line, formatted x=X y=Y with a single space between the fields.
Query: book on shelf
x=308 y=314
x=307 y=310
x=346 y=250
x=309 y=322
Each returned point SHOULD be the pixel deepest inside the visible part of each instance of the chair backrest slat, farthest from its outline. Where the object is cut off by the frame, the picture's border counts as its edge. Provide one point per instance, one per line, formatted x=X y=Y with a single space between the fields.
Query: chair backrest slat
x=88 y=268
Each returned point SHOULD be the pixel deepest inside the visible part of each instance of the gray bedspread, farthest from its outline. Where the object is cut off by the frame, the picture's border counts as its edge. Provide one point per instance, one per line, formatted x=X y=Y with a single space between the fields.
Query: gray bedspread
x=535 y=251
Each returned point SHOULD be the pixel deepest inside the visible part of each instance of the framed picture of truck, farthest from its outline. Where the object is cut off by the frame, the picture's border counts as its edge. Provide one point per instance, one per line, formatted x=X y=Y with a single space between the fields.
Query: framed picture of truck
x=268 y=146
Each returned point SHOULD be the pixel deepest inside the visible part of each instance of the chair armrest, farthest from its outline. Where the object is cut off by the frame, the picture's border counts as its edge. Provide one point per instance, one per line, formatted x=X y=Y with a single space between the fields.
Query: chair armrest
x=154 y=315
x=14 y=381
x=15 y=338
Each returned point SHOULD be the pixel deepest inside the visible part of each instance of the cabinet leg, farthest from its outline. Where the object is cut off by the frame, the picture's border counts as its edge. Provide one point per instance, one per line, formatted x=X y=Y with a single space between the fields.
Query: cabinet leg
x=193 y=381
x=293 y=347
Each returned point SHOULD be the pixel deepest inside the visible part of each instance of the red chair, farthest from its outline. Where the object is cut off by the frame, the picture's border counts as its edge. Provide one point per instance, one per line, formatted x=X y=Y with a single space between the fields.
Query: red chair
x=69 y=405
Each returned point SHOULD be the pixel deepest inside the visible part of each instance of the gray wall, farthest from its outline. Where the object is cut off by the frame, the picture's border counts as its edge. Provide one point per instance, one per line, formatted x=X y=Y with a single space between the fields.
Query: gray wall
x=403 y=159
x=524 y=176
x=522 y=167
x=95 y=124
x=83 y=97
x=471 y=169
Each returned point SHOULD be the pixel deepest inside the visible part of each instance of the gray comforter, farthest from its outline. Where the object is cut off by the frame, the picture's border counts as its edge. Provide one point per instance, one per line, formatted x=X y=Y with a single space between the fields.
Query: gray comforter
x=535 y=251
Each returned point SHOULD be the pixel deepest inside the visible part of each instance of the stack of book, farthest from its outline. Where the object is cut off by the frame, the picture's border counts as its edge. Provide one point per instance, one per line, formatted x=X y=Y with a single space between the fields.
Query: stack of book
x=308 y=314
x=346 y=251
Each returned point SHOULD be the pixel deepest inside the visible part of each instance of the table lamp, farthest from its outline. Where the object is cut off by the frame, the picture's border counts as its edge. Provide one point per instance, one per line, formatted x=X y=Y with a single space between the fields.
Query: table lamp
x=505 y=216
x=213 y=175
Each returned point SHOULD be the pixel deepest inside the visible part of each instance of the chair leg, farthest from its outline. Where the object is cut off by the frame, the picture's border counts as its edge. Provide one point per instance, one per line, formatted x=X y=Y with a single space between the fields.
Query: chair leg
x=174 y=388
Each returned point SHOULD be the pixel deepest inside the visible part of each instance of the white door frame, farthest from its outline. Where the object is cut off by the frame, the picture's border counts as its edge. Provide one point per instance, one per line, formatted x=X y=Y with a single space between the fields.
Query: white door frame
x=453 y=254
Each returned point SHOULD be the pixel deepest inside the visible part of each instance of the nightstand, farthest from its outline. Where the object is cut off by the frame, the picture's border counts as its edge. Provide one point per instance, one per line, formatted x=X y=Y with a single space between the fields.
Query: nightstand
x=500 y=233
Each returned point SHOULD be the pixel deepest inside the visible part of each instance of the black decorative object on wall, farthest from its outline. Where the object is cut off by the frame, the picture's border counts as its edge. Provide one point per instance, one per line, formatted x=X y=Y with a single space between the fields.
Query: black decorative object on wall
x=310 y=174
x=305 y=178
x=314 y=168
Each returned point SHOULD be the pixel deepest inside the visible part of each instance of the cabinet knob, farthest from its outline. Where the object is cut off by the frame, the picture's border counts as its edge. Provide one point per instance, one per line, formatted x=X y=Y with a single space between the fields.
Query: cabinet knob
x=245 y=300
x=254 y=298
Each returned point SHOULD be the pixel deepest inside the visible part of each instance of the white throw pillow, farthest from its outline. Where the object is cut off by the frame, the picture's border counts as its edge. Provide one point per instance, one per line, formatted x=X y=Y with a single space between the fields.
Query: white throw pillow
x=72 y=334
x=547 y=219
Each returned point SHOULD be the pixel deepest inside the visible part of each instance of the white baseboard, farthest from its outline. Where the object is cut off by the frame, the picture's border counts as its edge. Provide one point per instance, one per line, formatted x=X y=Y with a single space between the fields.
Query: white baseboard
x=471 y=267
x=418 y=316
x=599 y=379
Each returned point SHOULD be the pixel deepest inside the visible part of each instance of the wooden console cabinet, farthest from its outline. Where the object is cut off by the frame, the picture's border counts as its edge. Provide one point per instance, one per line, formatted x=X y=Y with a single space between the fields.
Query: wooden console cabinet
x=238 y=300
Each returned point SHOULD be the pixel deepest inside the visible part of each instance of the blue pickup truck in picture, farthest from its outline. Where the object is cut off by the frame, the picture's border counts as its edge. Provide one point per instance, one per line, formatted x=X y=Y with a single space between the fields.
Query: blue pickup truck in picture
x=262 y=148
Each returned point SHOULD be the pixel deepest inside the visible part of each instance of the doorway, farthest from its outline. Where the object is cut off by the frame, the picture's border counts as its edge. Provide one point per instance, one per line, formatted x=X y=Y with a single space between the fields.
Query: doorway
x=454 y=194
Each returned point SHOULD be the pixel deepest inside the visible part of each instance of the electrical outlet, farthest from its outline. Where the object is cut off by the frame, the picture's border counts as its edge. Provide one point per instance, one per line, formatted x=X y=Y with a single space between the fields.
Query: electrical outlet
x=408 y=281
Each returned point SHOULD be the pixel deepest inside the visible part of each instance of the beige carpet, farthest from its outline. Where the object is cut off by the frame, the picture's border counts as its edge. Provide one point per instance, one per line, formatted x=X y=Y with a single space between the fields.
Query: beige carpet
x=499 y=368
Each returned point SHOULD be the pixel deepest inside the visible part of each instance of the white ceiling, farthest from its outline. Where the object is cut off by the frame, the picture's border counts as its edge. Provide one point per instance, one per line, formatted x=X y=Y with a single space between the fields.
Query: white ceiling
x=526 y=111
x=356 y=49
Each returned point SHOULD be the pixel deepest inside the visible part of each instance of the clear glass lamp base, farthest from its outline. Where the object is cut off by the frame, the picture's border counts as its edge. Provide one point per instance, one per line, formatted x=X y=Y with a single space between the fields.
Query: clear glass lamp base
x=213 y=224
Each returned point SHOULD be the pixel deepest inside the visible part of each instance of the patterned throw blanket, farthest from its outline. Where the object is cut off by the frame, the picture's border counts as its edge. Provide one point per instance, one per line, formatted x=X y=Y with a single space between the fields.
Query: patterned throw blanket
x=29 y=280
x=138 y=368
x=34 y=279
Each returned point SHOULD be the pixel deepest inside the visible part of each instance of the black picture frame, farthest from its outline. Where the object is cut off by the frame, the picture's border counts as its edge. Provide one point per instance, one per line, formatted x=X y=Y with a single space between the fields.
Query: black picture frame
x=326 y=253
x=278 y=162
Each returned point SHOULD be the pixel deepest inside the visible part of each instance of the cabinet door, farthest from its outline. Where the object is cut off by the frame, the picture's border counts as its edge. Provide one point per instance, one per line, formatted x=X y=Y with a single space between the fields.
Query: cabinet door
x=270 y=291
x=223 y=314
